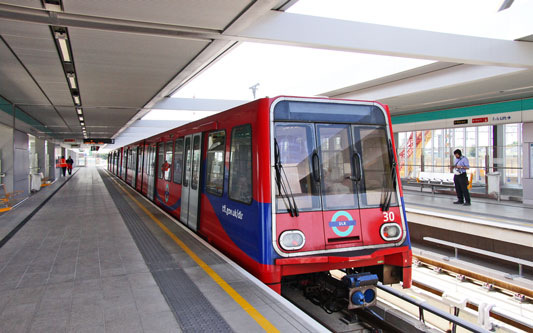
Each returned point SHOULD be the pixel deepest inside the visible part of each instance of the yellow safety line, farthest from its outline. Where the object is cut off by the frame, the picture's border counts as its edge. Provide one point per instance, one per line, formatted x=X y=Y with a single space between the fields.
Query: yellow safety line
x=258 y=317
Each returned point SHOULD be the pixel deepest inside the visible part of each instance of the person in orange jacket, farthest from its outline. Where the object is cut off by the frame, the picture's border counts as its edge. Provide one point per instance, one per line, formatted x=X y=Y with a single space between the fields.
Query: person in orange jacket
x=63 y=165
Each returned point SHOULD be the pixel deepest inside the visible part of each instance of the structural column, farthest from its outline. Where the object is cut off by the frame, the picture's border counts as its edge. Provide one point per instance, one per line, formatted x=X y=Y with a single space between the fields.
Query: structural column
x=527 y=163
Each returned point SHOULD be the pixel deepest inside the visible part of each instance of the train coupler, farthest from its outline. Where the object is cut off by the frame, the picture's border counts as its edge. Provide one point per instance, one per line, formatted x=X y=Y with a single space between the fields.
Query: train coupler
x=362 y=290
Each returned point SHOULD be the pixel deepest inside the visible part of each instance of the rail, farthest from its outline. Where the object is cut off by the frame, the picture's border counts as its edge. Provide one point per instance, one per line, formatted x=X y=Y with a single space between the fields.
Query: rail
x=520 y=262
x=424 y=306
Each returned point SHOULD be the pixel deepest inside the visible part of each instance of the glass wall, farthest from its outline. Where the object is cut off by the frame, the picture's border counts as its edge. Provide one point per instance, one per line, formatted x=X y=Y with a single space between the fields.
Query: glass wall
x=432 y=151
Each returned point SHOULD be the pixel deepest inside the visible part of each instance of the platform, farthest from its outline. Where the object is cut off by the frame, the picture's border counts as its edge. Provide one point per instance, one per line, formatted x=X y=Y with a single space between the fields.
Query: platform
x=97 y=257
x=503 y=227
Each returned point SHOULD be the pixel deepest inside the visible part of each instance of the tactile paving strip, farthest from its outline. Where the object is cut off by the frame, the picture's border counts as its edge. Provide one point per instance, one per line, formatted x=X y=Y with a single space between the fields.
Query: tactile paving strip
x=190 y=307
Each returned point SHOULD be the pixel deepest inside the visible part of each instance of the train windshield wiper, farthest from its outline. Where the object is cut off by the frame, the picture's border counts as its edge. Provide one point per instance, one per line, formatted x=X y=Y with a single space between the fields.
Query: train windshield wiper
x=387 y=193
x=282 y=183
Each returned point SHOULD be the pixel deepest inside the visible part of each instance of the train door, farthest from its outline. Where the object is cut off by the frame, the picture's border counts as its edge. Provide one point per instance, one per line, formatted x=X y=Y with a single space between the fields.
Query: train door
x=140 y=163
x=340 y=174
x=190 y=190
x=133 y=167
x=151 y=172
x=317 y=181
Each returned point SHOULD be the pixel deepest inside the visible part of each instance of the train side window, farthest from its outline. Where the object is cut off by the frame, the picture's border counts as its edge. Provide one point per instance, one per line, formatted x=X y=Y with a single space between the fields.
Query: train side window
x=167 y=164
x=160 y=159
x=216 y=148
x=187 y=163
x=240 y=169
x=178 y=161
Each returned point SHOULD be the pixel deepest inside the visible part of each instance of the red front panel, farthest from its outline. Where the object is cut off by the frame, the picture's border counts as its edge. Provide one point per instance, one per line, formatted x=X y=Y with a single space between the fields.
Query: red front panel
x=310 y=223
x=373 y=218
x=342 y=229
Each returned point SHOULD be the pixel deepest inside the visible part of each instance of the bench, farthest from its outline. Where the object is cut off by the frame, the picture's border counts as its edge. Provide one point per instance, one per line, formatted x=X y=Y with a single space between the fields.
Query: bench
x=436 y=179
x=8 y=198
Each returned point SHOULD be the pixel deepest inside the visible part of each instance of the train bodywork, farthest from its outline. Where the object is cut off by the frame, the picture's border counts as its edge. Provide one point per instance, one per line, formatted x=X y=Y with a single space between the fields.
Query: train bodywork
x=284 y=186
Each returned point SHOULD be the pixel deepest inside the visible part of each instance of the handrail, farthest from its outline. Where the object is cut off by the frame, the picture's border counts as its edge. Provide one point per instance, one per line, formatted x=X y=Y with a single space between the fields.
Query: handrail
x=520 y=262
x=422 y=305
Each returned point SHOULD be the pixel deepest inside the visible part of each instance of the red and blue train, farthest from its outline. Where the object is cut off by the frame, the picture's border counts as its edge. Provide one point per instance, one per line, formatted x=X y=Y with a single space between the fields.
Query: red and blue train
x=284 y=186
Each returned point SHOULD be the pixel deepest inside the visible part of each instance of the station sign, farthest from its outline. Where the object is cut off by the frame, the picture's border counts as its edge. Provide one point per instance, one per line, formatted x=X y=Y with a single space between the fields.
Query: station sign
x=98 y=141
x=460 y=122
x=480 y=120
x=69 y=140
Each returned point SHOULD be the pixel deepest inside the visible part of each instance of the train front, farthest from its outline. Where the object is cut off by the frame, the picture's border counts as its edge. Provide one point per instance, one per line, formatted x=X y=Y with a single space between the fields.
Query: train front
x=338 y=204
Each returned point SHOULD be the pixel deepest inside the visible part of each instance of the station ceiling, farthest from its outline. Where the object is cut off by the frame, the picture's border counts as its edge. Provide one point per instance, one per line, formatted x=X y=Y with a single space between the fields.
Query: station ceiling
x=126 y=56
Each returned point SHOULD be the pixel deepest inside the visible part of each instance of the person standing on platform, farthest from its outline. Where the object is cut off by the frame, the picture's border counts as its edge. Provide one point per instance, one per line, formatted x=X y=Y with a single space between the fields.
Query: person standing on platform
x=460 y=178
x=70 y=162
x=63 y=165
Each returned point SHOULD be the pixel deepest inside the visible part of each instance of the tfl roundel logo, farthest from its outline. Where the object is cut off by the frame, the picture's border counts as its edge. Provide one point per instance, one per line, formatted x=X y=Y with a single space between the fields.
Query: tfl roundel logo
x=348 y=221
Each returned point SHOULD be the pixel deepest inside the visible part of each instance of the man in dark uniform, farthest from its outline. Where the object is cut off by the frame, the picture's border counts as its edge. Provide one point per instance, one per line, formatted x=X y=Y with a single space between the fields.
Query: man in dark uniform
x=70 y=162
x=460 y=178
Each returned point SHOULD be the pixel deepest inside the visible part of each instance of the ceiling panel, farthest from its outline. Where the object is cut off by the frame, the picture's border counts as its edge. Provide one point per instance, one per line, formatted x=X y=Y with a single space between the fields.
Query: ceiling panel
x=194 y=13
x=497 y=88
x=108 y=117
x=34 y=45
x=46 y=115
x=126 y=70
x=15 y=83
x=25 y=3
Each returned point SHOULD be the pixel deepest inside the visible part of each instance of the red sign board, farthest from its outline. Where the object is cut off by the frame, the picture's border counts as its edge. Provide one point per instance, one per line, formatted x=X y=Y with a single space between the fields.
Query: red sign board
x=69 y=140
x=480 y=120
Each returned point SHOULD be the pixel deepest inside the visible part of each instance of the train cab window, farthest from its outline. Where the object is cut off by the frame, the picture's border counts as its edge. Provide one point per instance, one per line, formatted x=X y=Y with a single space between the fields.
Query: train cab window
x=377 y=181
x=338 y=190
x=216 y=144
x=160 y=159
x=167 y=163
x=295 y=147
x=178 y=161
x=240 y=169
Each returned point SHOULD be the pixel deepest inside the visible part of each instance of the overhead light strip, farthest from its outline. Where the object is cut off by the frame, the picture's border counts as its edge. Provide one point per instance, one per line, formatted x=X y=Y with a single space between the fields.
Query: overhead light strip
x=64 y=48
x=62 y=38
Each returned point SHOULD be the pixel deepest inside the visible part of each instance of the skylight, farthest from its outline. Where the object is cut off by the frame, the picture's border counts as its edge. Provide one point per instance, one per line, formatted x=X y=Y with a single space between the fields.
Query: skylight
x=289 y=70
x=479 y=18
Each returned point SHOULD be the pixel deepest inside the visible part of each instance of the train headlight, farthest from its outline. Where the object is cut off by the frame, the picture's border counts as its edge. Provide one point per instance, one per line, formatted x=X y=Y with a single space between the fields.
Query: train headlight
x=390 y=232
x=292 y=240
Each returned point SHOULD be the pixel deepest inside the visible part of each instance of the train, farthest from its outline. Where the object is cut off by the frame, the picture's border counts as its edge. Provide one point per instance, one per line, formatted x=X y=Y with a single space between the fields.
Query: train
x=287 y=187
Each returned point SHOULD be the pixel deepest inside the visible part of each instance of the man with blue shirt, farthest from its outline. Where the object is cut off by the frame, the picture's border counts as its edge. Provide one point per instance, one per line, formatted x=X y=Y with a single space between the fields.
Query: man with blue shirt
x=460 y=178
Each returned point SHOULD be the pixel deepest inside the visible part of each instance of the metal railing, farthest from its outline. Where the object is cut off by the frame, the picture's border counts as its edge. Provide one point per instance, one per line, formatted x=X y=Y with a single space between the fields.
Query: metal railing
x=457 y=247
x=424 y=306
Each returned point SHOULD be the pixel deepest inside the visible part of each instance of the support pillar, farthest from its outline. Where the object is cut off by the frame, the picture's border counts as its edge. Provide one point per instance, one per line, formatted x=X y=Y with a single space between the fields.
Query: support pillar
x=527 y=163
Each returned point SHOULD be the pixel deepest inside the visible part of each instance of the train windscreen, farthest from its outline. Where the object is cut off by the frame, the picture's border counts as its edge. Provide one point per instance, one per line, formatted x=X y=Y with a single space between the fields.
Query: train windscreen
x=332 y=166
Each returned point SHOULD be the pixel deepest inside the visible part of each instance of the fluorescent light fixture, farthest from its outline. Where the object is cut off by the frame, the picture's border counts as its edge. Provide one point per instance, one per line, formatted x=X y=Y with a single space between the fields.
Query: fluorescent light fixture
x=72 y=80
x=80 y=111
x=76 y=99
x=52 y=5
x=81 y=118
x=82 y=123
x=63 y=45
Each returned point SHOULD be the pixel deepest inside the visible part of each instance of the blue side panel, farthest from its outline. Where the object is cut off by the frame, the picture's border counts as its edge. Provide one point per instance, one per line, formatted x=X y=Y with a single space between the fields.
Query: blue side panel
x=167 y=207
x=408 y=238
x=248 y=226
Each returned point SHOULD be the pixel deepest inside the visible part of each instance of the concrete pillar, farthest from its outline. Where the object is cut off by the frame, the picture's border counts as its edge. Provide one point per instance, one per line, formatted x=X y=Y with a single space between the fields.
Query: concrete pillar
x=41 y=156
x=51 y=161
x=21 y=174
x=498 y=151
x=6 y=157
x=527 y=163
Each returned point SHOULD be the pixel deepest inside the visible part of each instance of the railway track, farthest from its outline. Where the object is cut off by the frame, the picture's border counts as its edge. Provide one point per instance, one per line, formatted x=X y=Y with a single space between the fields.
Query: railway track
x=395 y=316
x=516 y=293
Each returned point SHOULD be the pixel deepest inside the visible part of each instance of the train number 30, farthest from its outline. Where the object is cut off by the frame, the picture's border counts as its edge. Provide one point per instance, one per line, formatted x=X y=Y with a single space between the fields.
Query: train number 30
x=388 y=216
